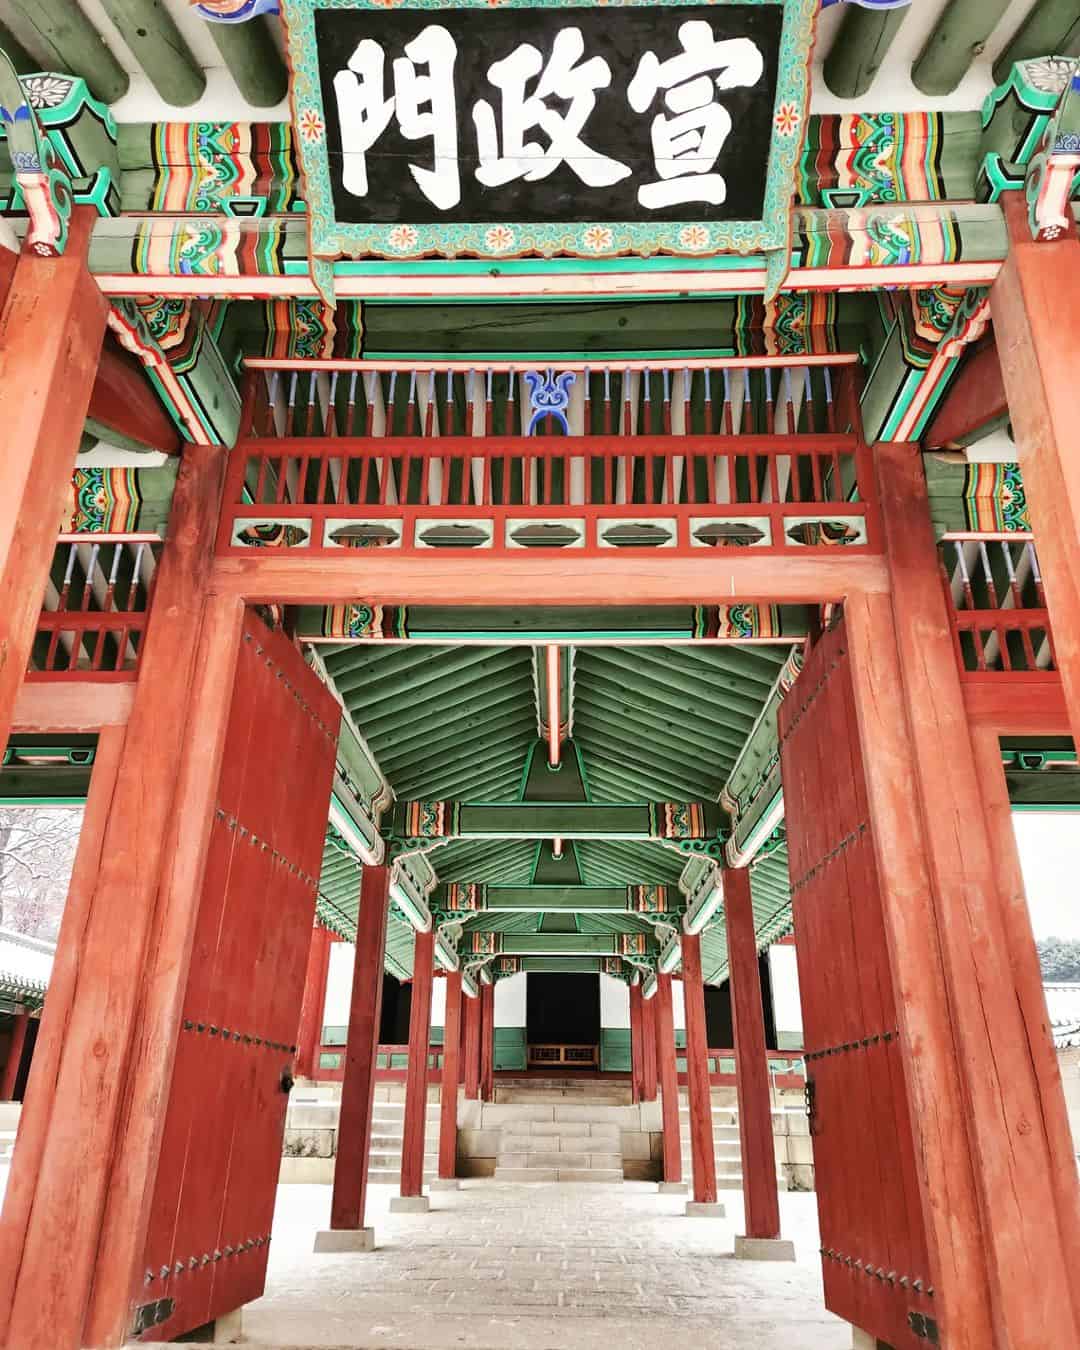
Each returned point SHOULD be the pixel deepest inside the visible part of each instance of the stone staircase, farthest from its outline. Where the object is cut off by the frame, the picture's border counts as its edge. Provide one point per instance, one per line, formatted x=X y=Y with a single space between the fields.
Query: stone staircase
x=387 y=1124
x=310 y=1141
x=558 y=1129
x=9 y=1124
x=727 y=1148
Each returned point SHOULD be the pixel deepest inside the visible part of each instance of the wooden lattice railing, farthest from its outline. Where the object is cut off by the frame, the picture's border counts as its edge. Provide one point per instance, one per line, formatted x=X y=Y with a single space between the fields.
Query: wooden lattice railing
x=1000 y=622
x=762 y=466
x=95 y=609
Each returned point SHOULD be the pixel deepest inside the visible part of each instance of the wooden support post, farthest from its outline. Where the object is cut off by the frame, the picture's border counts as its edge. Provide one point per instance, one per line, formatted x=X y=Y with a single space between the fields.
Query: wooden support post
x=669 y=1082
x=51 y=329
x=416 y=1086
x=699 y=1089
x=451 y=1061
x=1052 y=1118
x=760 y=1201
x=637 y=1061
x=309 y=1036
x=473 y=1016
x=348 y=1205
x=648 y=1055
x=487 y=1042
x=986 y=1175
x=105 y=1050
x=1035 y=305
x=10 y=1074
x=463 y=1036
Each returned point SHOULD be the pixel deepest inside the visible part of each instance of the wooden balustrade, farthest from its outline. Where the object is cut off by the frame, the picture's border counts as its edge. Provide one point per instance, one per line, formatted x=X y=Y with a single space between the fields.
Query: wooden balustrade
x=95 y=609
x=553 y=1056
x=998 y=608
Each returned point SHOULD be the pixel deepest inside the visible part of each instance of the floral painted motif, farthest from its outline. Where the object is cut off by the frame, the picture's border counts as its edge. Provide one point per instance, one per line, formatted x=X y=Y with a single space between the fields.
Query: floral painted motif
x=787 y=119
x=500 y=237
x=597 y=238
x=403 y=237
x=694 y=236
x=311 y=126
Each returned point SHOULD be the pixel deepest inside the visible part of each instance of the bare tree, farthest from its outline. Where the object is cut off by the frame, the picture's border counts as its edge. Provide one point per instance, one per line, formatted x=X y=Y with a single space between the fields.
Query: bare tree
x=37 y=853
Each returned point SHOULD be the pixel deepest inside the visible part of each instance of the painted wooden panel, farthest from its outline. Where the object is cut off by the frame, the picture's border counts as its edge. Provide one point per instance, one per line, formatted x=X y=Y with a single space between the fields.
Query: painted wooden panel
x=874 y=1246
x=209 y=1231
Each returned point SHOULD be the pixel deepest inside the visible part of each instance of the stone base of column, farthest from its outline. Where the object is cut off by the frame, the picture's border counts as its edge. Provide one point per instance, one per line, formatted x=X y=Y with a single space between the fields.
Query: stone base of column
x=444 y=1184
x=673 y=1188
x=862 y=1340
x=345 y=1240
x=764 y=1249
x=409 y=1204
x=700 y=1209
x=224 y=1330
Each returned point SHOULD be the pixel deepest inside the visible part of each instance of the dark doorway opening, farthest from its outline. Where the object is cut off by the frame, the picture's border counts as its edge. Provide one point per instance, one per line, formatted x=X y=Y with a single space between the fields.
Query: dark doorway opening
x=563 y=1009
x=718 y=1022
x=394 y=1016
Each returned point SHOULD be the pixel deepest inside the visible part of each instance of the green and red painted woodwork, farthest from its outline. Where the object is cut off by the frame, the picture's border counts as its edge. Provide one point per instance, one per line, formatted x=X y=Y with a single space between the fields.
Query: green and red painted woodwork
x=309 y=1033
x=9 y=1074
x=471 y=1053
x=699 y=1090
x=487 y=1042
x=761 y=1205
x=637 y=1062
x=416 y=1085
x=349 y=1199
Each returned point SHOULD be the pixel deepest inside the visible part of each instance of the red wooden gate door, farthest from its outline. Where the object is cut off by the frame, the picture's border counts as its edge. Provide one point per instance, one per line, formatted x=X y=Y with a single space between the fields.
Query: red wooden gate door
x=873 y=1240
x=209 y=1230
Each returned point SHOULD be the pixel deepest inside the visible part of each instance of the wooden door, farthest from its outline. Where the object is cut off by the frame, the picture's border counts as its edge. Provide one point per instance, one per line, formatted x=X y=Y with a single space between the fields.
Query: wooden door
x=873 y=1241
x=209 y=1228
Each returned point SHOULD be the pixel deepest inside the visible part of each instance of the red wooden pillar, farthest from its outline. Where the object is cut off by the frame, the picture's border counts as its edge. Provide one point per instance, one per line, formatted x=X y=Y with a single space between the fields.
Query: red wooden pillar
x=451 y=1061
x=309 y=1037
x=487 y=1042
x=760 y=1200
x=648 y=1049
x=349 y=1201
x=699 y=1089
x=463 y=1037
x=474 y=1008
x=669 y=1082
x=51 y=329
x=94 y=1115
x=1035 y=304
x=416 y=1085
x=636 y=1046
x=14 y=1058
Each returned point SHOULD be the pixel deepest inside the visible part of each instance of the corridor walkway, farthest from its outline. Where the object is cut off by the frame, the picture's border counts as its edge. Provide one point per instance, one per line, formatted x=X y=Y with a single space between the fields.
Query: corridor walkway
x=541 y=1267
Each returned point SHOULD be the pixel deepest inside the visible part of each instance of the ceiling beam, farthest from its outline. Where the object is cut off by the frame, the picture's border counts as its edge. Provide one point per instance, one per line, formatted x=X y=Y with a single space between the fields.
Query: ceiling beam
x=975 y=403
x=429 y=823
x=253 y=59
x=861 y=44
x=156 y=43
x=124 y=409
x=61 y=37
x=479 y=943
x=955 y=40
x=1051 y=29
x=464 y=899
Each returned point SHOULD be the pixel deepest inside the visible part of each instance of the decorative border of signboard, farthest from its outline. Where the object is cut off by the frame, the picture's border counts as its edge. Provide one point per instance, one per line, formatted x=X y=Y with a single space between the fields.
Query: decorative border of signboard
x=330 y=239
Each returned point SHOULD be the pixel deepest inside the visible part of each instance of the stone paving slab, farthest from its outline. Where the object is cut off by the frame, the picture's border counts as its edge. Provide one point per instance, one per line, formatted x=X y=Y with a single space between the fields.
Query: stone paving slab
x=495 y=1266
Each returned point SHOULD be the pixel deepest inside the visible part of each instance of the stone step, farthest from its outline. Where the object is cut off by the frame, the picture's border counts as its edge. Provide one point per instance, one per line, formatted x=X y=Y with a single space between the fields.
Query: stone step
x=559 y=1161
x=587 y=1174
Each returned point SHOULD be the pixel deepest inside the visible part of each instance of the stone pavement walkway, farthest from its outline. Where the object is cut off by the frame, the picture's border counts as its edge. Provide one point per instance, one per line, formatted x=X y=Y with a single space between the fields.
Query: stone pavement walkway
x=540 y=1267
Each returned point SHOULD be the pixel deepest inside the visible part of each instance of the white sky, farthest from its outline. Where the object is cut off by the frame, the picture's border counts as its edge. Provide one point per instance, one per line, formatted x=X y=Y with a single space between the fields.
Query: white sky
x=1049 y=843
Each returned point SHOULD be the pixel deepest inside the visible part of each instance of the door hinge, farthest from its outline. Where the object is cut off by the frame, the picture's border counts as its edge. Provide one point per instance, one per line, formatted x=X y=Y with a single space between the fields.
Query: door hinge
x=924 y=1327
x=152 y=1315
x=810 y=1093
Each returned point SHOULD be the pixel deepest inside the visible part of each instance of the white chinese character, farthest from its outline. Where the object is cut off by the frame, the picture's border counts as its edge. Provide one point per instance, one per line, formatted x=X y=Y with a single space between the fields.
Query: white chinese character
x=562 y=79
x=424 y=104
x=687 y=145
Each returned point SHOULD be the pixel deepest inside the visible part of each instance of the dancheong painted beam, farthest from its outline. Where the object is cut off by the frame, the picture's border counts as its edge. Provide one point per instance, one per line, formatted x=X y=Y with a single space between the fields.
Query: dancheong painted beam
x=695 y=826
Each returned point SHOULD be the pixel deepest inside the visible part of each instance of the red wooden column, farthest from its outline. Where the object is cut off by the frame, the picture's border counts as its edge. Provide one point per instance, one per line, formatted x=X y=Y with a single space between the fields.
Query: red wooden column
x=648 y=1050
x=412 y=1143
x=1000 y=1255
x=1035 y=304
x=760 y=1201
x=106 y=1046
x=473 y=1017
x=449 y=1100
x=636 y=1046
x=669 y=1086
x=347 y=1231
x=51 y=330
x=699 y=1089
x=14 y=1058
x=487 y=1042
x=309 y=1037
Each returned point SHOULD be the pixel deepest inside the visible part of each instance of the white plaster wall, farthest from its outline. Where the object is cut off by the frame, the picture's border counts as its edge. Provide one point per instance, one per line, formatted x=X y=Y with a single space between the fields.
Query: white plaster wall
x=787 y=1007
x=339 y=984
x=510 y=1001
x=438 y=1003
x=614 y=1003
x=678 y=1006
